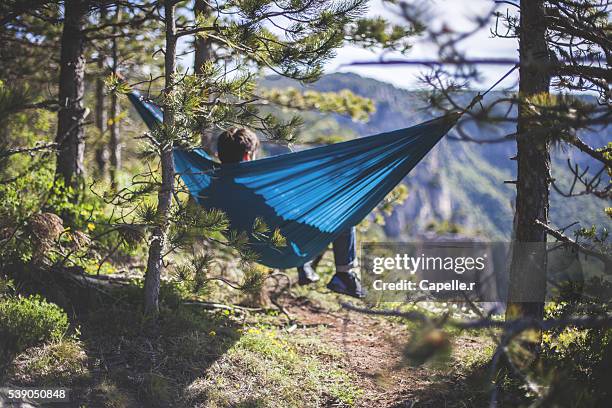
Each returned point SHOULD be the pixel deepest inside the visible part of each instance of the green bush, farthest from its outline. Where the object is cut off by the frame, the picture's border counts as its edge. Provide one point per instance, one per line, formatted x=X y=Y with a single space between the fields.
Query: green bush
x=6 y=287
x=28 y=321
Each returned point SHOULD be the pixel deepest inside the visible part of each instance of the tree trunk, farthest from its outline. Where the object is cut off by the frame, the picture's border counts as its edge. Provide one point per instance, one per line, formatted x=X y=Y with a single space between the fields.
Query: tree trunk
x=70 y=132
x=101 y=151
x=164 y=196
x=115 y=141
x=203 y=53
x=100 y=119
x=527 y=281
x=202 y=46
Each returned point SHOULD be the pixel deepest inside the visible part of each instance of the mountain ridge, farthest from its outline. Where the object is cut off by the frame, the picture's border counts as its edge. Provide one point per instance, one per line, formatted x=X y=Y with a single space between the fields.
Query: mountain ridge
x=458 y=182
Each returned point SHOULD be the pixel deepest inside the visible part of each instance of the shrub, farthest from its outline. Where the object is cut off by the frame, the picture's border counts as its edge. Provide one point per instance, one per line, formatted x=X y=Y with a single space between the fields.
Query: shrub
x=28 y=321
x=6 y=287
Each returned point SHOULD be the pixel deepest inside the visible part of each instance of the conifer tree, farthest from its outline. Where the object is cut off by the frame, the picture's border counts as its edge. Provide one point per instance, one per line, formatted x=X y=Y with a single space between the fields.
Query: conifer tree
x=124 y=36
x=563 y=43
x=70 y=136
x=293 y=39
x=564 y=47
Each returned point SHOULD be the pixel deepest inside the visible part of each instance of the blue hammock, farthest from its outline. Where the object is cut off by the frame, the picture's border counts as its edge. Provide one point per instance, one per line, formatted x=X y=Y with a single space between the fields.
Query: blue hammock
x=311 y=196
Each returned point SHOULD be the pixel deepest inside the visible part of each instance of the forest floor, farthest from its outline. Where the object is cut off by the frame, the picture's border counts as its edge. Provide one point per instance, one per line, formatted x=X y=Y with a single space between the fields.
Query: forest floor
x=306 y=351
x=372 y=348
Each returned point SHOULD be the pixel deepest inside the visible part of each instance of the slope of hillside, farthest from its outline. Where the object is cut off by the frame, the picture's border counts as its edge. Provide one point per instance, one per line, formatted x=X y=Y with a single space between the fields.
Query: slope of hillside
x=459 y=182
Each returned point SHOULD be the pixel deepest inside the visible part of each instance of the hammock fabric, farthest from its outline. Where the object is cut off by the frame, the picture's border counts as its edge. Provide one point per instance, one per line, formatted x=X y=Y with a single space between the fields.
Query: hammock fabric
x=311 y=196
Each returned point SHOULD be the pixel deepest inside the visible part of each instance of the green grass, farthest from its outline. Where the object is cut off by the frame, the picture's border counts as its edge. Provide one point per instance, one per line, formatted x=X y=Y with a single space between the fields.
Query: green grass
x=59 y=363
x=199 y=358
x=106 y=394
x=270 y=368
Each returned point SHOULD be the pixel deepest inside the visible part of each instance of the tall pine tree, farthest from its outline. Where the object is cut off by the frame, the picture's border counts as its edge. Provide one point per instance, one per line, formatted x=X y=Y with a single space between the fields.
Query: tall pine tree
x=291 y=39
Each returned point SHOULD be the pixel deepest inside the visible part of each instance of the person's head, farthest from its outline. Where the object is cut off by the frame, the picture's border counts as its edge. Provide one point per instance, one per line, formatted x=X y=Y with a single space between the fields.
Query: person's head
x=236 y=145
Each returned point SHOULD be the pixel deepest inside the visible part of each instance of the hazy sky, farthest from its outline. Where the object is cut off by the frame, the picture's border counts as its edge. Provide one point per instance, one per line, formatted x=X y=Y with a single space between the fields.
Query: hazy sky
x=457 y=15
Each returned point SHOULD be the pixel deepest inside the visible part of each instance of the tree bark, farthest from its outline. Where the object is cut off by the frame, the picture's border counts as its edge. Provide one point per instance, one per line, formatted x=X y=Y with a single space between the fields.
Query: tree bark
x=164 y=196
x=100 y=119
x=71 y=116
x=203 y=53
x=202 y=46
x=527 y=280
x=115 y=138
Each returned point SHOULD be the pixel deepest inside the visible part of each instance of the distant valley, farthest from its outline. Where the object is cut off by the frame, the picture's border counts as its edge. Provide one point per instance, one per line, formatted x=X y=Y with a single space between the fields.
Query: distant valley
x=458 y=182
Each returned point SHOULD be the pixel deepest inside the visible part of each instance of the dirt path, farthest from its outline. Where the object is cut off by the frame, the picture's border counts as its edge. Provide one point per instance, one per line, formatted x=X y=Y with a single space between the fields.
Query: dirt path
x=372 y=350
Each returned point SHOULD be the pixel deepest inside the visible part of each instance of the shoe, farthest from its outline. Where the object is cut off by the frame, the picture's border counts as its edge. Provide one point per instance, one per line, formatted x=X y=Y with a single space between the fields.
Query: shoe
x=307 y=275
x=347 y=283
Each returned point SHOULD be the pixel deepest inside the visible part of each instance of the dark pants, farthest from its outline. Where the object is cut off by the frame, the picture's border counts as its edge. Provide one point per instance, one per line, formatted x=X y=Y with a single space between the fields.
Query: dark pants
x=345 y=251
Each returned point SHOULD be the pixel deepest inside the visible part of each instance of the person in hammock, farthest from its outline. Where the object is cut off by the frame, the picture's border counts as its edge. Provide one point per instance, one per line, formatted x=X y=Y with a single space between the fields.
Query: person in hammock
x=240 y=144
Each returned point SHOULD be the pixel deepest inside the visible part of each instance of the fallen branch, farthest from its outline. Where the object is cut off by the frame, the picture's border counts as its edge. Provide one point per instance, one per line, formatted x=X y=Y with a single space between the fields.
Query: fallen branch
x=221 y=306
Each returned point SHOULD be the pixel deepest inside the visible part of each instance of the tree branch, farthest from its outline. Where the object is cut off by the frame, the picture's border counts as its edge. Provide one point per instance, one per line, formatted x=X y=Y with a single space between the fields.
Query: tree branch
x=596 y=154
x=558 y=235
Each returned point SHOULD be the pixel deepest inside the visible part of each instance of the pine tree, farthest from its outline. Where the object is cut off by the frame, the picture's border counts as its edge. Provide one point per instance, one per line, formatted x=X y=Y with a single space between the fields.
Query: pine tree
x=565 y=41
x=306 y=35
x=71 y=92
x=166 y=188
x=203 y=53
x=528 y=273
x=124 y=35
x=101 y=150
x=203 y=50
x=565 y=45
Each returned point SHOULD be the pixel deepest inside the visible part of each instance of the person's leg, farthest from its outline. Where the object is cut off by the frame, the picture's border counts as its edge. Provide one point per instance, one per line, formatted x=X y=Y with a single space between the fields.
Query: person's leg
x=307 y=274
x=345 y=251
x=346 y=279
